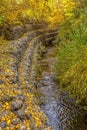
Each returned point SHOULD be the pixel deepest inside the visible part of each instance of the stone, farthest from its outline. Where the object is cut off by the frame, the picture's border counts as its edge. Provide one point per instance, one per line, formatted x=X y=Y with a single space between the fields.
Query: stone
x=20 y=97
x=3 y=124
x=6 y=98
x=21 y=114
x=16 y=105
x=16 y=121
x=27 y=115
x=2 y=81
x=4 y=113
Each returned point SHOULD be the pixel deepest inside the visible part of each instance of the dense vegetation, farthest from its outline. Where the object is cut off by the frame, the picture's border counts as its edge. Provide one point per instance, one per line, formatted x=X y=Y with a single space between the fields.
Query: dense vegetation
x=72 y=53
x=18 y=11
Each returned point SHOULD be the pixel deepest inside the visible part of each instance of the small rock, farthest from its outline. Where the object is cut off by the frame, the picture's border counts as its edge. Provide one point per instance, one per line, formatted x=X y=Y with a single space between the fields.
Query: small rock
x=27 y=114
x=13 y=81
x=3 y=124
x=16 y=121
x=6 y=98
x=23 y=128
x=2 y=81
x=45 y=83
x=20 y=97
x=16 y=105
x=4 y=113
x=20 y=114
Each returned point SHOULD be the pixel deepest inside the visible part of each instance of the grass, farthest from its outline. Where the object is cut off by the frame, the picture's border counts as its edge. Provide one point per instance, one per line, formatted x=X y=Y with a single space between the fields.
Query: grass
x=71 y=65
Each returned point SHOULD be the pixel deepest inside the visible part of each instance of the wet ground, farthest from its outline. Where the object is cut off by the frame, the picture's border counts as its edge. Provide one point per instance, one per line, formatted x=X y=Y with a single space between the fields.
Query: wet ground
x=62 y=112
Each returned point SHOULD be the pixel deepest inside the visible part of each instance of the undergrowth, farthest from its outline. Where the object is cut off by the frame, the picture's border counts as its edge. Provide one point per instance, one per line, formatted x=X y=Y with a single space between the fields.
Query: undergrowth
x=71 y=65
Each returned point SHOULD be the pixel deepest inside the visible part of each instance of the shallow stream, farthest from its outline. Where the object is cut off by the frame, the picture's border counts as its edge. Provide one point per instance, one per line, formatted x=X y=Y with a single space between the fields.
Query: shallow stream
x=62 y=112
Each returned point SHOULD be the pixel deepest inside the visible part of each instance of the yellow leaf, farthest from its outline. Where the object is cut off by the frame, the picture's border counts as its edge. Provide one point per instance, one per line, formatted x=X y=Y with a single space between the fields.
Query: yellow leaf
x=6 y=103
x=8 y=122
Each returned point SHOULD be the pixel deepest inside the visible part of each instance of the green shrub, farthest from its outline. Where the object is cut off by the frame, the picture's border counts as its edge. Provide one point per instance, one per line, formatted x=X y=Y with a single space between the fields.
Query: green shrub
x=71 y=65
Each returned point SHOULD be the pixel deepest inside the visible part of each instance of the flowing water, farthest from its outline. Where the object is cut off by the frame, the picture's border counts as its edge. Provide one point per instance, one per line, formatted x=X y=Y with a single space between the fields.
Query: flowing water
x=61 y=111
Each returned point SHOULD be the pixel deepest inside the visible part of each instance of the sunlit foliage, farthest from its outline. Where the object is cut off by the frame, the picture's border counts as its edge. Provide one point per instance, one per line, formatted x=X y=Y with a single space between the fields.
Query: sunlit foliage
x=13 y=10
x=72 y=64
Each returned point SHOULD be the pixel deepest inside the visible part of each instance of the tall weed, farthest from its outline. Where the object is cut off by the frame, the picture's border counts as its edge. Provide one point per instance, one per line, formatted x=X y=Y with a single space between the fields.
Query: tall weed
x=71 y=65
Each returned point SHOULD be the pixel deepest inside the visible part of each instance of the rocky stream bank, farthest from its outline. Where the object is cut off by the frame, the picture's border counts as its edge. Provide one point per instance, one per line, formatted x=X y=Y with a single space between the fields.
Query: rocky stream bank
x=19 y=108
